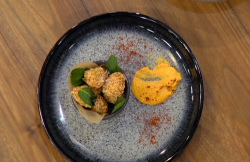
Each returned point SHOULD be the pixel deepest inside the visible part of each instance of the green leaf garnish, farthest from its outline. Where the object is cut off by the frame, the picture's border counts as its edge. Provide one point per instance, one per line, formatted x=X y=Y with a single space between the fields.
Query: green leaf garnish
x=118 y=104
x=118 y=69
x=86 y=94
x=76 y=76
x=112 y=65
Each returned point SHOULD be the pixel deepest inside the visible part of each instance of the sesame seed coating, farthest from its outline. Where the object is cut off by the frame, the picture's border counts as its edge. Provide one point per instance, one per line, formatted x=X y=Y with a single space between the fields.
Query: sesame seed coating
x=95 y=77
x=96 y=91
x=76 y=96
x=111 y=99
x=114 y=87
x=101 y=105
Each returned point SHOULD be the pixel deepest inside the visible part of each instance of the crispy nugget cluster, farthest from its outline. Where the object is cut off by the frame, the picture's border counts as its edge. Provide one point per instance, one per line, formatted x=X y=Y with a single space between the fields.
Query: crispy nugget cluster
x=98 y=81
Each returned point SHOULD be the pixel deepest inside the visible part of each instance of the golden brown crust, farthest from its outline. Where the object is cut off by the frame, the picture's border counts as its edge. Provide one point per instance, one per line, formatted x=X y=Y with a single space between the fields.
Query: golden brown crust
x=96 y=91
x=111 y=99
x=100 y=106
x=95 y=77
x=114 y=87
x=76 y=97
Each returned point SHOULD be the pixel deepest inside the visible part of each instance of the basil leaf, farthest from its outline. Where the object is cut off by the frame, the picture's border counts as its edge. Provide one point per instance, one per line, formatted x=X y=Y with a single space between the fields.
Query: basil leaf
x=86 y=94
x=112 y=65
x=76 y=76
x=118 y=104
x=118 y=69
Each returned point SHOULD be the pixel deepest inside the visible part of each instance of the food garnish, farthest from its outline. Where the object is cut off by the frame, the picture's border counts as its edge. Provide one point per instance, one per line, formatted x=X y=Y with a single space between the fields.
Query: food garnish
x=76 y=76
x=118 y=104
x=112 y=65
x=87 y=95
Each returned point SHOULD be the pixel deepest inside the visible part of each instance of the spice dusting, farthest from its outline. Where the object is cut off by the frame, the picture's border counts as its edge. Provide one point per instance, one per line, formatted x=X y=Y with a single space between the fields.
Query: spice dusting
x=151 y=127
x=126 y=48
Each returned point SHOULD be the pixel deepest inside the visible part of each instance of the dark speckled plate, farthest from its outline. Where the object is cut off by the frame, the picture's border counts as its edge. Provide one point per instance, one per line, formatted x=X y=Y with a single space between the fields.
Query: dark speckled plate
x=140 y=133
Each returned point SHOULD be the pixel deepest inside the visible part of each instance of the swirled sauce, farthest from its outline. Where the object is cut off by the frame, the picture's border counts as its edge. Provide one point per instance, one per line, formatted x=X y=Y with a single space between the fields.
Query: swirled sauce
x=155 y=86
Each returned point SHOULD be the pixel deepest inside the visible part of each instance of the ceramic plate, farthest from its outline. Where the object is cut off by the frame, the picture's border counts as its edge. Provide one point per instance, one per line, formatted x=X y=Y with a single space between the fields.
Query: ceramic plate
x=140 y=133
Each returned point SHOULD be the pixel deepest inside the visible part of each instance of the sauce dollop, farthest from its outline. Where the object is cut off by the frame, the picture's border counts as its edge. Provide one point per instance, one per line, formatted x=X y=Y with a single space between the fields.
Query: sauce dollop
x=155 y=86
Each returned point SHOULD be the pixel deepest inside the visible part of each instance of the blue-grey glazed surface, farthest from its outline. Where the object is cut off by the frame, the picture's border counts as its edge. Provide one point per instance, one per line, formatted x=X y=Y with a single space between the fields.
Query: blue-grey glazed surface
x=140 y=132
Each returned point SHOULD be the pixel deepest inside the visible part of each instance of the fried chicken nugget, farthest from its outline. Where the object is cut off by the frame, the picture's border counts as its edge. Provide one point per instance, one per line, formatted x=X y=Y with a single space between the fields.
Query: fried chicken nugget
x=97 y=91
x=101 y=105
x=76 y=96
x=113 y=87
x=95 y=77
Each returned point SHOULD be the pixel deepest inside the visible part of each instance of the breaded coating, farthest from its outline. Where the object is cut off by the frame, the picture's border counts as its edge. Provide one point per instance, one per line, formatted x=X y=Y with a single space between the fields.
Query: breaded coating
x=76 y=97
x=111 y=99
x=101 y=105
x=95 y=77
x=96 y=91
x=114 y=87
